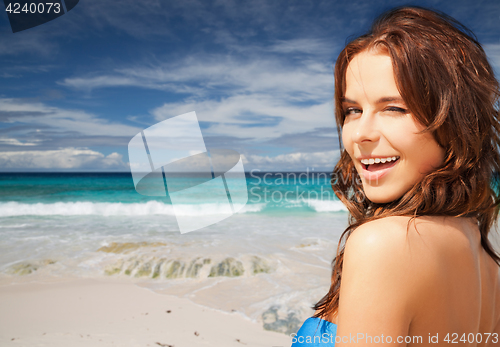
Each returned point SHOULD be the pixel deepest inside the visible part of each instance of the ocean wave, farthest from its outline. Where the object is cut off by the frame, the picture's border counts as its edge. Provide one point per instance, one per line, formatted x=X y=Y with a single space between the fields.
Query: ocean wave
x=82 y=208
x=12 y=209
x=326 y=205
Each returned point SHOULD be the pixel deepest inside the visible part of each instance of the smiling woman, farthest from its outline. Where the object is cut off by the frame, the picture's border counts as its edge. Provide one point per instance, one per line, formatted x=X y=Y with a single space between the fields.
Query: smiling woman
x=417 y=109
x=379 y=132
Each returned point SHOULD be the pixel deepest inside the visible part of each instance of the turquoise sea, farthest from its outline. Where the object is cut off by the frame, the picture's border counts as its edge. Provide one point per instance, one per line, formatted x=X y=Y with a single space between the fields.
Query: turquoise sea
x=270 y=261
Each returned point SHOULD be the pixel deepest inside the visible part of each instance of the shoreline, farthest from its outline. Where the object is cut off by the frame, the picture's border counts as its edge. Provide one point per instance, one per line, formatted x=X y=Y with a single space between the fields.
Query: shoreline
x=93 y=312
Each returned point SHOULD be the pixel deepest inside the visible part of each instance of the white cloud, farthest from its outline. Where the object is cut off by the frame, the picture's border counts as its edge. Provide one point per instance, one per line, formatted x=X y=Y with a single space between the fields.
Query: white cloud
x=264 y=97
x=36 y=113
x=292 y=161
x=100 y=82
x=206 y=75
x=240 y=115
x=302 y=45
x=65 y=158
x=15 y=142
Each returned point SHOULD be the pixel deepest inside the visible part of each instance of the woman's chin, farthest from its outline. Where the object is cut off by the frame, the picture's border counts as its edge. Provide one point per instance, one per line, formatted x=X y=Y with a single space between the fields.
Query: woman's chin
x=380 y=197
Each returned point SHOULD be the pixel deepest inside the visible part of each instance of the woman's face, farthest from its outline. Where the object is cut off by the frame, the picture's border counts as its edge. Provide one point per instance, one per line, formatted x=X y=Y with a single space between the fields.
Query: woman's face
x=380 y=131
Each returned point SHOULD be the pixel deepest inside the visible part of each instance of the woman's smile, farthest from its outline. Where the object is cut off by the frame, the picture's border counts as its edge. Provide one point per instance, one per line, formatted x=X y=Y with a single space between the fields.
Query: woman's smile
x=376 y=168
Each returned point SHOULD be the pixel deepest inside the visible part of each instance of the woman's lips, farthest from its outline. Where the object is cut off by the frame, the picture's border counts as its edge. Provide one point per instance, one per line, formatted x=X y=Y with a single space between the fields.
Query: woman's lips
x=377 y=171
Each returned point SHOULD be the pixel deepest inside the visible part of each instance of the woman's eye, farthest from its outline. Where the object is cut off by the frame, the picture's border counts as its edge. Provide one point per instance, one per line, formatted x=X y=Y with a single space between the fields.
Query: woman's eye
x=351 y=110
x=396 y=109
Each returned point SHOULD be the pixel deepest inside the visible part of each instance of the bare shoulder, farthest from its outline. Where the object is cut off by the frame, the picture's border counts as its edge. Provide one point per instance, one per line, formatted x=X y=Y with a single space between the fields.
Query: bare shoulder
x=380 y=230
x=407 y=247
x=390 y=234
x=378 y=247
x=429 y=234
x=388 y=243
x=381 y=272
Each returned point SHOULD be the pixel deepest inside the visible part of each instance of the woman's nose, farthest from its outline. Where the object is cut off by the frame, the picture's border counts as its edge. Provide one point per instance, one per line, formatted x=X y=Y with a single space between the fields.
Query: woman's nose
x=366 y=129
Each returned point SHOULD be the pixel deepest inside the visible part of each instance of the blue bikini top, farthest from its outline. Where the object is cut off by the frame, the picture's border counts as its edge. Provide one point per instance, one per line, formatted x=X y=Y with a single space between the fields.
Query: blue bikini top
x=315 y=332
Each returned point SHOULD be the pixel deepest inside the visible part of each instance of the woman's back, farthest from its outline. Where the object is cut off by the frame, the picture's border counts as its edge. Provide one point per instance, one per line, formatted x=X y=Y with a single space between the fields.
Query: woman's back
x=459 y=285
x=464 y=295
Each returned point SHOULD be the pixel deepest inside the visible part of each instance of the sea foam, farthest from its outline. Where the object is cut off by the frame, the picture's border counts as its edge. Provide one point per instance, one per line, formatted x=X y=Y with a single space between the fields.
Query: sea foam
x=326 y=205
x=11 y=209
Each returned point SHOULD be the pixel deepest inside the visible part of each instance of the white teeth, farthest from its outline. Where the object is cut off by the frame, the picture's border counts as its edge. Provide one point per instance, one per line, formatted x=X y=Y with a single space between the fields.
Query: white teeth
x=378 y=160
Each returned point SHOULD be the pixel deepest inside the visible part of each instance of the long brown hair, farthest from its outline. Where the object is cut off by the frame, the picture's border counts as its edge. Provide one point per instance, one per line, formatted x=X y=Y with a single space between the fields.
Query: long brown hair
x=444 y=77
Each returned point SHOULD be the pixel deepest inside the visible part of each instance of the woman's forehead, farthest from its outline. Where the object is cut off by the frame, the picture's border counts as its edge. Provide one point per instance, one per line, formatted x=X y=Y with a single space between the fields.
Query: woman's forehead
x=370 y=77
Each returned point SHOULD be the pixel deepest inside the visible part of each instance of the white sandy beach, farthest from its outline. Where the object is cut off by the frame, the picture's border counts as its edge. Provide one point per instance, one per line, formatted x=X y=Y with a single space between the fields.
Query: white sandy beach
x=124 y=281
x=89 y=312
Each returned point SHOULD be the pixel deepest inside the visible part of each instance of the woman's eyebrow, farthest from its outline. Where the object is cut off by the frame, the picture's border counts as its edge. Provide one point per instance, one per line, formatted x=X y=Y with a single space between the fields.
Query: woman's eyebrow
x=379 y=101
x=390 y=99
x=348 y=100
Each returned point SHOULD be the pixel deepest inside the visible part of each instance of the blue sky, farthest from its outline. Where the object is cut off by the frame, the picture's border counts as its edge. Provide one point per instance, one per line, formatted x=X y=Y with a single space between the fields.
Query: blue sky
x=74 y=91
